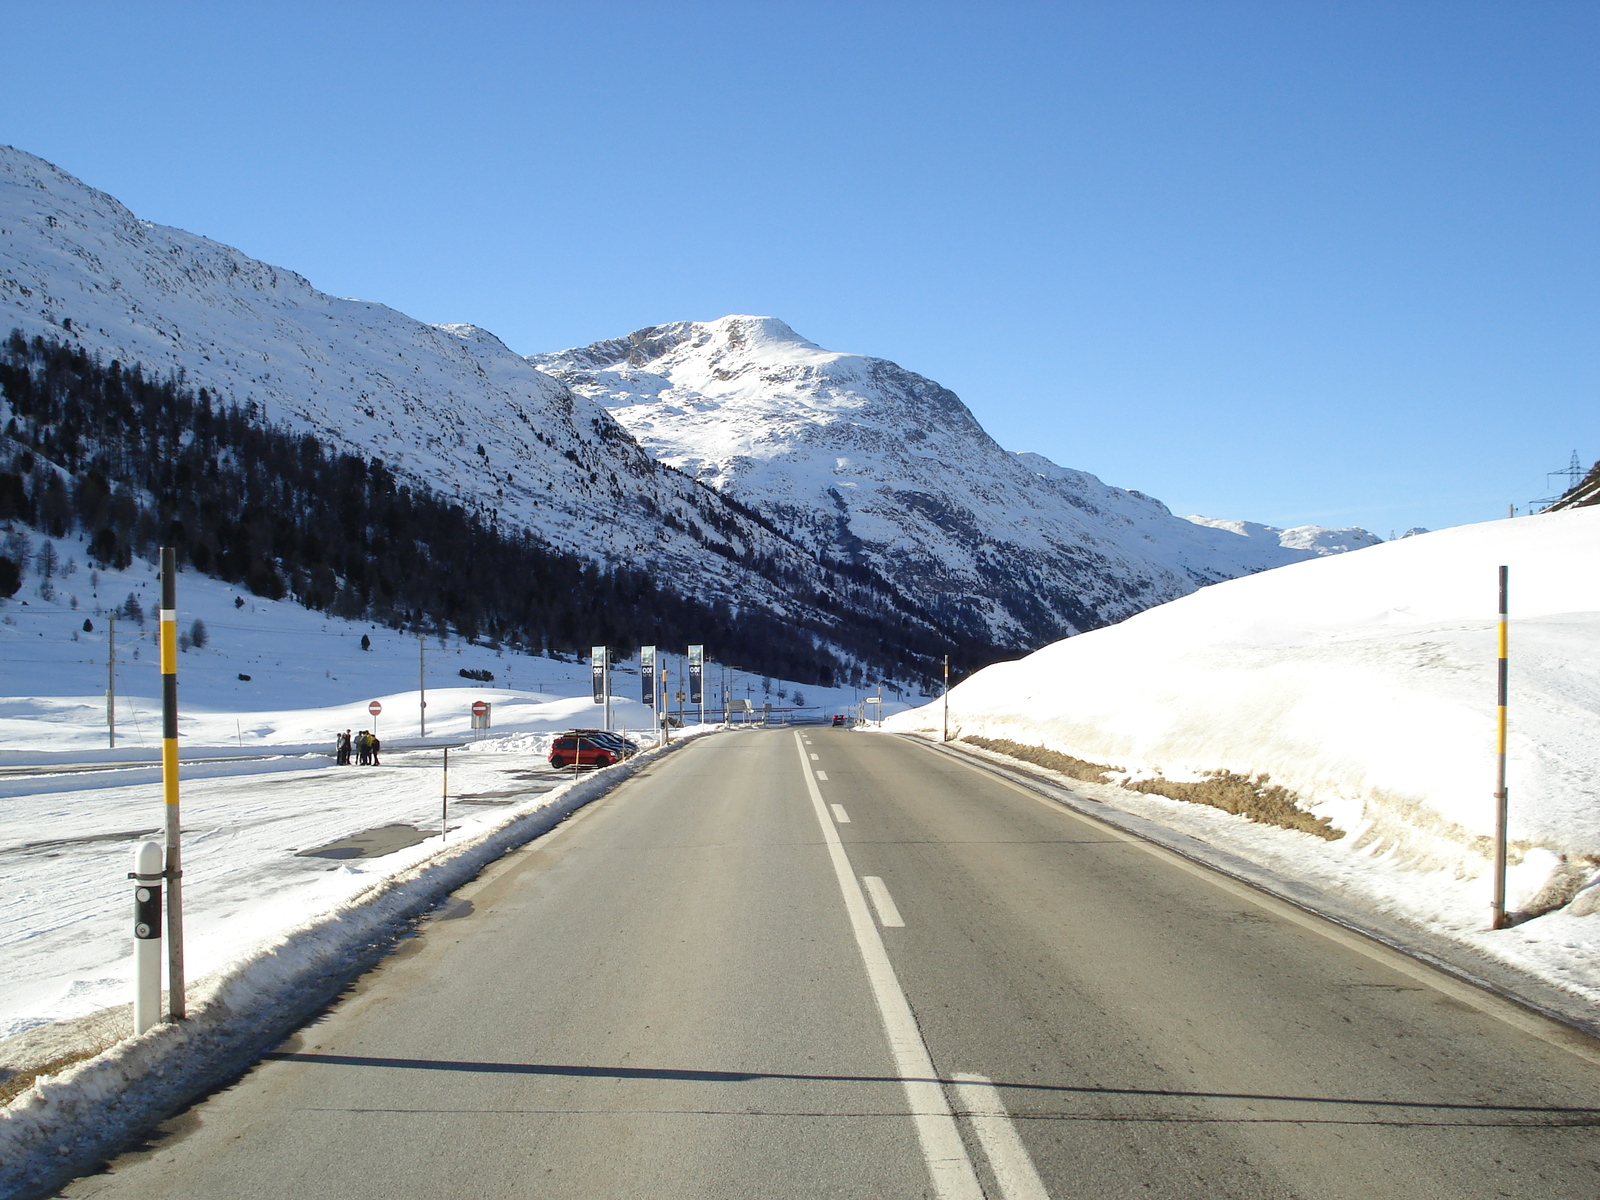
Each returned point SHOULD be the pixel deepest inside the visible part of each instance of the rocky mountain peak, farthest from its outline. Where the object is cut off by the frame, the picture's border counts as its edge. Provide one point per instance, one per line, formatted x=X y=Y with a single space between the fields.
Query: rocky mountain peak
x=864 y=461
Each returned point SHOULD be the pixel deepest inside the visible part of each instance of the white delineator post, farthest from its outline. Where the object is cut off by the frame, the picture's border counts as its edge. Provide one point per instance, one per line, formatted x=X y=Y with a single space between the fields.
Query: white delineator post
x=147 y=875
x=945 y=736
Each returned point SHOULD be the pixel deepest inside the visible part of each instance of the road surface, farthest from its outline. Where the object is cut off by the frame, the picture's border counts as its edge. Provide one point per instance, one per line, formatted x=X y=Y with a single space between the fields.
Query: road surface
x=822 y=963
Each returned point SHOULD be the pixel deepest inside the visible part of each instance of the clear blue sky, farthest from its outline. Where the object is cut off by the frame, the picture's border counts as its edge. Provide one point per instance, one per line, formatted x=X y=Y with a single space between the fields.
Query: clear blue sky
x=1289 y=261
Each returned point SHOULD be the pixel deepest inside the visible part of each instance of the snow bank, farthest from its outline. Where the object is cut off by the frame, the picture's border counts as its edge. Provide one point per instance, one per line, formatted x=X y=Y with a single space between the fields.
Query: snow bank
x=1364 y=682
x=65 y=1124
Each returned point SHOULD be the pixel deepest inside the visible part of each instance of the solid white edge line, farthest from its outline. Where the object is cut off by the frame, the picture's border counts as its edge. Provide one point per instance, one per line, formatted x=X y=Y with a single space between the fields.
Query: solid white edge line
x=1008 y=1158
x=948 y=1164
x=888 y=914
x=839 y=814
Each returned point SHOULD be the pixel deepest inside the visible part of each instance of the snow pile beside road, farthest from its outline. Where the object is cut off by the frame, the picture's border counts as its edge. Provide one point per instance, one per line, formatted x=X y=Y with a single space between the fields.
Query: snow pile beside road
x=1363 y=682
x=65 y=1124
x=535 y=745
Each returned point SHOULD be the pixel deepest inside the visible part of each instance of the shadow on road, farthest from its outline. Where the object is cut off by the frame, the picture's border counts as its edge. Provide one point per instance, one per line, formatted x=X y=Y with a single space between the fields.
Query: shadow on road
x=1555 y=1117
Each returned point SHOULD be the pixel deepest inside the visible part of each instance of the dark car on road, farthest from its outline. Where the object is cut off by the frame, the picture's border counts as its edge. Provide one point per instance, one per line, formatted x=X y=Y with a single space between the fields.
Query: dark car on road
x=590 y=748
x=839 y=721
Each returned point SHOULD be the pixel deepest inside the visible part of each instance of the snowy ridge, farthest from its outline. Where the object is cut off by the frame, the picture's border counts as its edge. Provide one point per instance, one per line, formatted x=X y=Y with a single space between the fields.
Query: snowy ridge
x=867 y=462
x=1319 y=539
x=448 y=405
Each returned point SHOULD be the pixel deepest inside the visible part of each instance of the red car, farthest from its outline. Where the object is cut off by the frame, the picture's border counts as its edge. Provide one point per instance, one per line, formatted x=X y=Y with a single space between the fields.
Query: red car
x=587 y=748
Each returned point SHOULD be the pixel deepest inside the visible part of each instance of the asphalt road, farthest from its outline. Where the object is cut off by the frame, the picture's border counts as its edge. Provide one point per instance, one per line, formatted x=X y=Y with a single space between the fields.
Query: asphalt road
x=790 y=964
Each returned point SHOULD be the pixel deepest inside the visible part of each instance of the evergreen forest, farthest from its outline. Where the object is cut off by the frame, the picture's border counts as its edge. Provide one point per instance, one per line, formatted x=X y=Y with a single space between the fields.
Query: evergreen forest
x=134 y=462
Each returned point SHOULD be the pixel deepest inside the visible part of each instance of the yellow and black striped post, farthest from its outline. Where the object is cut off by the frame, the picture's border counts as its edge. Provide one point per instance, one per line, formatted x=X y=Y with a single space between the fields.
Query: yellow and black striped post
x=176 y=1008
x=1501 y=805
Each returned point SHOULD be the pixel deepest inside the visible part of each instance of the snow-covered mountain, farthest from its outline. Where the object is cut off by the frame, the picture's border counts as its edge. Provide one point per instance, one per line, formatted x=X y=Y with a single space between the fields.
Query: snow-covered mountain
x=449 y=405
x=1319 y=539
x=789 y=459
x=865 y=461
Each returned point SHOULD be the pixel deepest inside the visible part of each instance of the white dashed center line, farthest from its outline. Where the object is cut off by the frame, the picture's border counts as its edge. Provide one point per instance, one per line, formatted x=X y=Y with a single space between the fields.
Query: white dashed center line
x=839 y=814
x=888 y=914
x=822 y=775
x=948 y=1165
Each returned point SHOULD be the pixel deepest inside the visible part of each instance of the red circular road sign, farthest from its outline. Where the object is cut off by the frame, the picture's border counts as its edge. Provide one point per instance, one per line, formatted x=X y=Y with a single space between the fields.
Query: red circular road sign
x=479 y=708
x=374 y=708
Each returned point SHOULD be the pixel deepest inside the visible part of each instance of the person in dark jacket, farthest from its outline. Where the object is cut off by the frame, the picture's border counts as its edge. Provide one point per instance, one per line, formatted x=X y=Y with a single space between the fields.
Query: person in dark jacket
x=373 y=746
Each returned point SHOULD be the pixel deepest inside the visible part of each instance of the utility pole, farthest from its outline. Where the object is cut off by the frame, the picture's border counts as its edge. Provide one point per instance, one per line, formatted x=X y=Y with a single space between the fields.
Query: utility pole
x=111 y=682
x=422 y=685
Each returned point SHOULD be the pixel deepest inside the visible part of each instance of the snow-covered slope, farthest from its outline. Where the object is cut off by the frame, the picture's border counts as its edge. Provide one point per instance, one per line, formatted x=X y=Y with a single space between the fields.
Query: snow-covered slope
x=865 y=461
x=1319 y=539
x=1365 y=682
x=449 y=405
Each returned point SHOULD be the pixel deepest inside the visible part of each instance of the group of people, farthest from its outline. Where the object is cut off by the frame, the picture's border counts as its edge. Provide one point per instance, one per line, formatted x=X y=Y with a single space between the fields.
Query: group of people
x=365 y=746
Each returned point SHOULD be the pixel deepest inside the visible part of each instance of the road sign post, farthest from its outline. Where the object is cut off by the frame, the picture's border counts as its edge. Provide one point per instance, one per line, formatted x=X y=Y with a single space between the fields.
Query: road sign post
x=375 y=708
x=480 y=717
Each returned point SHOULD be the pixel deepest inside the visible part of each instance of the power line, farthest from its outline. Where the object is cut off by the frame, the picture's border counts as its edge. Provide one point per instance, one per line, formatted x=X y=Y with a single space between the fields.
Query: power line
x=1574 y=472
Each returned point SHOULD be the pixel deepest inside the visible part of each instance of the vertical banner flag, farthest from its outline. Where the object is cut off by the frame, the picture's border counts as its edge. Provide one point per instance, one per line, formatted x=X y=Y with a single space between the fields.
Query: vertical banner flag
x=598 y=661
x=647 y=675
x=697 y=668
